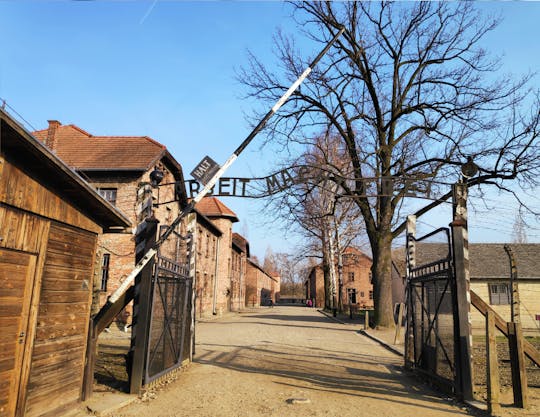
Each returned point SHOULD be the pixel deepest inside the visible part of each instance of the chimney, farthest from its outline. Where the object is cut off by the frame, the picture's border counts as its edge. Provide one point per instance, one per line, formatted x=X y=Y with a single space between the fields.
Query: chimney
x=50 y=142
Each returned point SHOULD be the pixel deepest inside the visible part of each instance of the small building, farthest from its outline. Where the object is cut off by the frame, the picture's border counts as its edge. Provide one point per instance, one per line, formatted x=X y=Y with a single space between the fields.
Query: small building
x=50 y=221
x=260 y=285
x=355 y=287
x=490 y=277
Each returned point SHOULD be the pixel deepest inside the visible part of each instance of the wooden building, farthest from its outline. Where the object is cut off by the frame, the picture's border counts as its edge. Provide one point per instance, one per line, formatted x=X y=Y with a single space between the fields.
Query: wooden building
x=50 y=220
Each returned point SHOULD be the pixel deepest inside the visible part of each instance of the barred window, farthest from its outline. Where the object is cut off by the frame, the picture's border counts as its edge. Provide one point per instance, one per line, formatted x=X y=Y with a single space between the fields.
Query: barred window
x=108 y=194
x=499 y=294
x=351 y=276
x=105 y=271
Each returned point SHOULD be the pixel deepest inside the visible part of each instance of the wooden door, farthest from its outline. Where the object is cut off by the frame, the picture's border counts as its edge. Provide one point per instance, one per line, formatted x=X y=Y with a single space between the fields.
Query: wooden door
x=16 y=277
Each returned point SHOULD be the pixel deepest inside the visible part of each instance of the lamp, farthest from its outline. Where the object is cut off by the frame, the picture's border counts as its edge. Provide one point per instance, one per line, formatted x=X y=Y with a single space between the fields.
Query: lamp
x=156 y=176
x=469 y=169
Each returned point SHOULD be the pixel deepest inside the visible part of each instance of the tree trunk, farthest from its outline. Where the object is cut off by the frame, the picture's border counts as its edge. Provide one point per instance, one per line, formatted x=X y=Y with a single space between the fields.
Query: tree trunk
x=382 y=280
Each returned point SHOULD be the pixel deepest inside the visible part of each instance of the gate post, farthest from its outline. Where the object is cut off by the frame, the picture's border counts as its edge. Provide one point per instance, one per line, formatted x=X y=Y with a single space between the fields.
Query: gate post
x=410 y=257
x=192 y=253
x=146 y=238
x=460 y=246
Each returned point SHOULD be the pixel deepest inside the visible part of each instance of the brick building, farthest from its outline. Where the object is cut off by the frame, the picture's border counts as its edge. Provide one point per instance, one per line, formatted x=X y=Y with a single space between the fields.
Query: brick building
x=208 y=238
x=260 y=285
x=240 y=255
x=355 y=287
x=118 y=167
x=222 y=218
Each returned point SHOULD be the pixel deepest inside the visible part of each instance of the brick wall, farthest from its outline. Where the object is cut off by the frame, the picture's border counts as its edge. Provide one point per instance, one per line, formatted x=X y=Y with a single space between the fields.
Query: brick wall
x=120 y=247
x=260 y=286
x=205 y=261
x=223 y=276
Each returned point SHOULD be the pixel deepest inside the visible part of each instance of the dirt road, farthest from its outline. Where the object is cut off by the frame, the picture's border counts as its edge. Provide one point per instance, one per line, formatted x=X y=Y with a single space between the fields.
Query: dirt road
x=290 y=361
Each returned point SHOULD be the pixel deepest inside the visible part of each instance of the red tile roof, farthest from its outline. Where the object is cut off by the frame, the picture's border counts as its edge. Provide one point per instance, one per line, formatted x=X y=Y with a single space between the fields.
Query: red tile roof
x=212 y=207
x=83 y=151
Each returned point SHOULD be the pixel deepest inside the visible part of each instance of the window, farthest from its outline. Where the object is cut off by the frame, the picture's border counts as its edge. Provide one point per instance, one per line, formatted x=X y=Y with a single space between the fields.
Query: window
x=207 y=245
x=351 y=276
x=108 y=194
x=105 y=271
x=499 y=294
x=362 y=294
x=370 y=277
x=351 y=294
x=371 y=295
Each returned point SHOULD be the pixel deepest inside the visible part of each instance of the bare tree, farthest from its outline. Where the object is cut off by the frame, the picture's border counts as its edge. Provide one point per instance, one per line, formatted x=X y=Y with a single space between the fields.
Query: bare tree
x=328 y=224
x=519 y=232
x=410 y=93
x=291 y=268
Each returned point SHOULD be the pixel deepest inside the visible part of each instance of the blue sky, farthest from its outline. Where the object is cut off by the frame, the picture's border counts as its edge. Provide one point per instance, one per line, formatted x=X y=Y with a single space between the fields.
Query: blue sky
x=166 y=69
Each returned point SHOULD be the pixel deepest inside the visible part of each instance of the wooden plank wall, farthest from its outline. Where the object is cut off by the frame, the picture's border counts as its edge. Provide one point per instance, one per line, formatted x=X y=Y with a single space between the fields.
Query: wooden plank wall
x=37 y=221
x=19 y=190
x=62 y=323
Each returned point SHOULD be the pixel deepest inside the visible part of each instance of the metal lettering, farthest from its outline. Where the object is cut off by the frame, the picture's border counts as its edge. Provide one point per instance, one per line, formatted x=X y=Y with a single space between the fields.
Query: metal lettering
x=272 y=183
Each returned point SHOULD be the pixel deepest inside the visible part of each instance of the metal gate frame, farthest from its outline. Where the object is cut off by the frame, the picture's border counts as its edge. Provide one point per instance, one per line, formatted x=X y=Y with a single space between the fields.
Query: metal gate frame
x=429 y=350
x=171 y=290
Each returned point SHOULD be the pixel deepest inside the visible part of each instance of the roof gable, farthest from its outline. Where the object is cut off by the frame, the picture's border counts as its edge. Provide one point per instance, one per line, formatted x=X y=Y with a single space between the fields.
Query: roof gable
x=212 y=207
x=83 y=151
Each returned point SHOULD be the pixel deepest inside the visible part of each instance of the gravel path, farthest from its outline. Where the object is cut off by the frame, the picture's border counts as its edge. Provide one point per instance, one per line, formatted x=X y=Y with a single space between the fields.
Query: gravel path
x=290 y=361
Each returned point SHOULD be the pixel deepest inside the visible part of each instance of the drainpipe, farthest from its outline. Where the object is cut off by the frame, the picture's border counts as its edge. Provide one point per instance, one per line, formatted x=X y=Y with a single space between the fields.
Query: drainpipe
x=214 y=302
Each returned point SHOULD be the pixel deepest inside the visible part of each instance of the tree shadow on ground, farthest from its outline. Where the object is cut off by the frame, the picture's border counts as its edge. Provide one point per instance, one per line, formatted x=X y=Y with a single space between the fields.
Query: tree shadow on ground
x=324 y=371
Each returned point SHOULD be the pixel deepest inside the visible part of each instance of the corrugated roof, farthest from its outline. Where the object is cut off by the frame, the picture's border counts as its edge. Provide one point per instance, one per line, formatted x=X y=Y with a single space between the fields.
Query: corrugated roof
x=212 y=207
x=83 y=151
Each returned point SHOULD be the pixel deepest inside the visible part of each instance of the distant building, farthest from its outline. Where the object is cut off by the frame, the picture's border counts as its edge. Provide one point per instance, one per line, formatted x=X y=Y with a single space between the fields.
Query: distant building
x=240 y=255
x=260 y=285
x=355 y=287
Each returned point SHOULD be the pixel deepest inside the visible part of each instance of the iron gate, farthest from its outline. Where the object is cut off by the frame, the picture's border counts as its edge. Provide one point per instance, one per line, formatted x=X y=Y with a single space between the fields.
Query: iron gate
x=169 y=334
x=432 y=309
